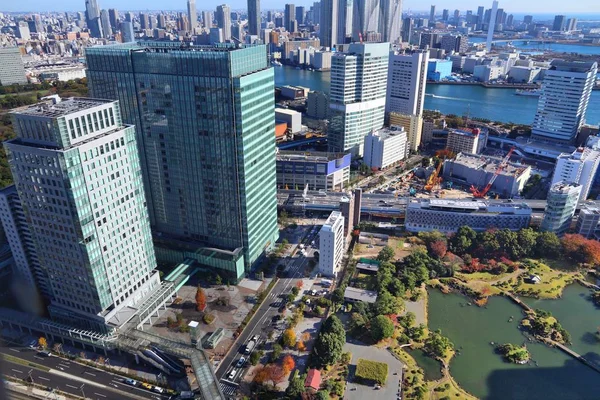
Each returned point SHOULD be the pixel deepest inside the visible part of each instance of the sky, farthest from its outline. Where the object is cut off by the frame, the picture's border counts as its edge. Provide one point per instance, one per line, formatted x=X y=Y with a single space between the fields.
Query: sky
x=512 y=6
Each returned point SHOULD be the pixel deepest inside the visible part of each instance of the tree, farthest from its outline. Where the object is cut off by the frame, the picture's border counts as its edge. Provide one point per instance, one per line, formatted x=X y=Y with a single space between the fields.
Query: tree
x=296 y=386
x=439 y=248
x=322 y=395
x=42 y=342
x=288 y=364
x=580 y=249
x=289 y=338
x=295 y=291
x=200 y=299
x=300 y=346
x=299 y=284
x=335 y=326
x=346 y=358
x=386 y=254
x=396 y=287
x=527 y=239
x=547 y=244
x=381 y=328
x=218 y=280
x=255 y=357
x=338 y=295
x=357 y=321
x=462 y=241
x=386 y=304
x=328 y=349
x=437 y=345
x=277 y=349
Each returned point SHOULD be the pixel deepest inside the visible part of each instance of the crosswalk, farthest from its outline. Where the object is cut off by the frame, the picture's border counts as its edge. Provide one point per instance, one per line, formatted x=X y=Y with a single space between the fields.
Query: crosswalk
x=228 y=389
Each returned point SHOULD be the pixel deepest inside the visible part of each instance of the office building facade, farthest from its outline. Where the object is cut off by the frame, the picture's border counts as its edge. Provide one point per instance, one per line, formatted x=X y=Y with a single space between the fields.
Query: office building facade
x=579 y=167
x=192 y=15
x=94 y=240
x=407 y=80
x=223 y=17
x=92 y=18
x=566 y=92
x=390 y=22
x=207 y=143
x=385 y=147
x=13 y=70
x=320 y=171
x=358 y=90
x=588 y=220
x=328 y=28
x=289 y=18
x=561 y=203
x=331 y=245
x=254 y=17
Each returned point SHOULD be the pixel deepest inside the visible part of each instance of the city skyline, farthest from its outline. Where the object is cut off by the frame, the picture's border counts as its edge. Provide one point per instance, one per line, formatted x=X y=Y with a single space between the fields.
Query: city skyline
x=580 y=7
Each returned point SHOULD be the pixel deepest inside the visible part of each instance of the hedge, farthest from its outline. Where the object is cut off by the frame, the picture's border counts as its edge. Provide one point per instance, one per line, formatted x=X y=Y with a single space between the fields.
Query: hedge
x=371 y=371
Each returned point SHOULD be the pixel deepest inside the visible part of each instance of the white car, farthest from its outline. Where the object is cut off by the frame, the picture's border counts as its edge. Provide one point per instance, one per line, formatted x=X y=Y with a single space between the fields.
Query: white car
x=158 y=389
x=231 y=375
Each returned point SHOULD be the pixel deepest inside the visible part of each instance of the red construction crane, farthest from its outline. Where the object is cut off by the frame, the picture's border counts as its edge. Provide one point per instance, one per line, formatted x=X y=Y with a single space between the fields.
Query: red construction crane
x=481 y=193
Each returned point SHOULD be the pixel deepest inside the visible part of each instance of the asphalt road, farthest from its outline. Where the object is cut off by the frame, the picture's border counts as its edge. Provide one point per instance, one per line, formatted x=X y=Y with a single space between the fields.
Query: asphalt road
x=262 y=319
x=69 y=376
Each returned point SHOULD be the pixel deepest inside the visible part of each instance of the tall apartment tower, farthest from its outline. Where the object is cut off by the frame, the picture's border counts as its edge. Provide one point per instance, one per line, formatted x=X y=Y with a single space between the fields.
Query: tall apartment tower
x=127 y=34
x=561 y=201
x=566 y=92
x=366 y=17
x=331 y=244
x=328 y=28
x=560 y=22
x=289 y=18
x=432 y=15
x=92 y=18
x=390 y=22
x=579 y=167
x=357 y=95
x=30 y=275
x=254 y=17
x=106 y=27
x=94 y=240
x=13 y=70
x=207 y=19
x=407 y=79
x=223 y=17
x=344 y=23
x=192 y=15
x=113 y=15
x=206 y=125
x=300 y=14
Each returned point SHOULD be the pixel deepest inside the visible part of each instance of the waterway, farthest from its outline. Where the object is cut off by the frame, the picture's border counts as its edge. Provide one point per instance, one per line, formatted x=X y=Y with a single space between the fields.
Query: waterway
x=555 y=47
x=493 y=104
x=579 y=316
x=484 y=374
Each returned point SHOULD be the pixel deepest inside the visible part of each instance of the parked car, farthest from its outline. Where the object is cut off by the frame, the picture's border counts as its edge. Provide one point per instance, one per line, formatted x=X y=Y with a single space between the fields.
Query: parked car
x=158 y=389
x=45 y=353
x=146 y=386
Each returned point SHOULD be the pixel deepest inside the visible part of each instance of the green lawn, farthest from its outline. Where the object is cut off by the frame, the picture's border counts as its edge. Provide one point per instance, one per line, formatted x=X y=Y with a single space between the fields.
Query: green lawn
x=553 y=280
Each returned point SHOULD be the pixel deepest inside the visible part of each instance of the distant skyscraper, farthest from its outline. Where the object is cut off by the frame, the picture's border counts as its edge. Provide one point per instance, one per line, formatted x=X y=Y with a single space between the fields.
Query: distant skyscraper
x=207 y=19
x=566 y=92
x=144 y=21
x=210 y=172
x=216 y=35
x=92 y=17
x=445 y=15
x=162 y=21
x=192 y=15
x=113 y=15
x=127 y=34
x=344 y=23
x=366 y=17
x=129 y=16
x=254 y=17
x=510 y=20
x=358 y=89
x=95 y=240
x=300 y=13
x=106 y=28
x=571 y=24
x=480 y=13
x=316 y=7
x=390 y=21
x=456 y=16
x=432 y=15
x=329 y=23
x=560 y=22
x=289 y=18
x=12 y=70
x=407 y=27
x=491 y=27
x=223 y=17
x=528 y=19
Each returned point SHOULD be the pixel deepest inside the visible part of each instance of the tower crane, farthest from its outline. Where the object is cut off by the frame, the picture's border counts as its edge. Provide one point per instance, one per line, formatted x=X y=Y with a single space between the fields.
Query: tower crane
x=481 y=193
x=433 y=178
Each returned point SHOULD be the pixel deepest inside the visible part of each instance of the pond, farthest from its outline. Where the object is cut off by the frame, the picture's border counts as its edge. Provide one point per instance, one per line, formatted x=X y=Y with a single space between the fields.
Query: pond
x=579 y=316
x=483 y=373
x=431 y=367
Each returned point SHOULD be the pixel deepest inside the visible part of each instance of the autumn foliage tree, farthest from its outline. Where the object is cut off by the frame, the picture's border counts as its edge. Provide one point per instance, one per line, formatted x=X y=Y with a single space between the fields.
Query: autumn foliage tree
x=42 y=342
x=300 y=284
x=200 y=299
x=288 y=364
x=269 y=373
x=439 y=248
x=289 y=338
x=580 y=249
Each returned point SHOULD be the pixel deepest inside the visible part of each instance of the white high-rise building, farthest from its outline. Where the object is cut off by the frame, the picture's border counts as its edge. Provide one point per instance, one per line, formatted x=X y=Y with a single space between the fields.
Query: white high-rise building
x=390 y=22
x=588 y=220
x=561 y=204
x=386 y=147
x=357 y=95
x=77 y=171
x=331 y=244
x=566 y=92
x=579 y=167
x=12 y=70
x=366 y=16
x=328 y=28
x=407 y=79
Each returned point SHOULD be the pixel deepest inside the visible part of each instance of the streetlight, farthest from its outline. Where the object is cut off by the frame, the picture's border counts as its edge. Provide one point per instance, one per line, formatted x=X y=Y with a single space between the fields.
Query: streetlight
x=29 y=377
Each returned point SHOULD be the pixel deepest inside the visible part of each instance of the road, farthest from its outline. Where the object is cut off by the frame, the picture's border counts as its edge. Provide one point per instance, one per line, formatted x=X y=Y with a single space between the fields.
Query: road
x=69 y=376
x=262 y=319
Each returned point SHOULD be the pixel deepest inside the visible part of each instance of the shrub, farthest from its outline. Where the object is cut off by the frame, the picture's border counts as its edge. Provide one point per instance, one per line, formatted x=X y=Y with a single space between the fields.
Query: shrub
x=208 y=319
x=371 y=371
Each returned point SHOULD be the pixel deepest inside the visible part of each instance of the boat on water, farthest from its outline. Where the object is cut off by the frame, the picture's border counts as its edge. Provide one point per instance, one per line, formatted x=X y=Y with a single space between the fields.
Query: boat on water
x=276 y=63
x=528 y=92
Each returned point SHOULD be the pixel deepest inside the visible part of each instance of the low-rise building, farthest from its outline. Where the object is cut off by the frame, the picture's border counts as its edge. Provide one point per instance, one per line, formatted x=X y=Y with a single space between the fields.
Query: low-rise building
x=446 y=215
x=320 y=171
x=292 y=118
x=466 y=140
x=59 y=72
x=385 y=147
x=472 y=169
x=561 y=204
x=321 y=60
x=521 y=74
x=331 y=244
x=487 y=73
x=438 y=70
x=354 y=295
x=294 y=92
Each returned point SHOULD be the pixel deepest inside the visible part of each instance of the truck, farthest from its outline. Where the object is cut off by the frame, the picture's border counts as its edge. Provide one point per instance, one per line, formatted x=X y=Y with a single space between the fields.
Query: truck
x=250 y=347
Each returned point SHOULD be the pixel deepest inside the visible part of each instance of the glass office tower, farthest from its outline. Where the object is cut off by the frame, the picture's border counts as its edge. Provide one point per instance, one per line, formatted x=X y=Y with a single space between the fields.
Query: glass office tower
x=206 y=133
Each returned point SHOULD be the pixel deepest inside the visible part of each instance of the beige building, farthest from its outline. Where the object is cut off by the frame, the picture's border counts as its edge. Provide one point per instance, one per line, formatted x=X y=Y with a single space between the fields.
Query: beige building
x=413 y=125
x=466 y=140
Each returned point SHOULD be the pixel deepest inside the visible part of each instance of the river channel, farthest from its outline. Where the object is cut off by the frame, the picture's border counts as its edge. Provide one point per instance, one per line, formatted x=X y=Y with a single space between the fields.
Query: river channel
x=484 y=374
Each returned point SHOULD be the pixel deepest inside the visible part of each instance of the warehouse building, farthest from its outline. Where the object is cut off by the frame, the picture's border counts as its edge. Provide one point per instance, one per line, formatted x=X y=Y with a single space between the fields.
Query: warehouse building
x=471 y=169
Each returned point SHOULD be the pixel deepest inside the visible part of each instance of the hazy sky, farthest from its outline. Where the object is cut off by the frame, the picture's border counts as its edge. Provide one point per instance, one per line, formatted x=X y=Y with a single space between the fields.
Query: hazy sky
x=512 y=6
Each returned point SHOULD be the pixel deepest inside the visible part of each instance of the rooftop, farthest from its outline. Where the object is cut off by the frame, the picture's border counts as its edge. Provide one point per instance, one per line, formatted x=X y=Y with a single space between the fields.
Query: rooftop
x=466 y=132
x=488 y=163
x=573 y=66
x=473 y=205
x=564 y=187
x=56 y=107
x=314 y=156
x=357 y=294
x=333 y=217
x=390 y=132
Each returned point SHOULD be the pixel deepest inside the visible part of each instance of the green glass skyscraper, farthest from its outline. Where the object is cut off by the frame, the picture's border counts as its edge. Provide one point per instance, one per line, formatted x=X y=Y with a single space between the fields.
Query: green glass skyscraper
x=205 y=120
